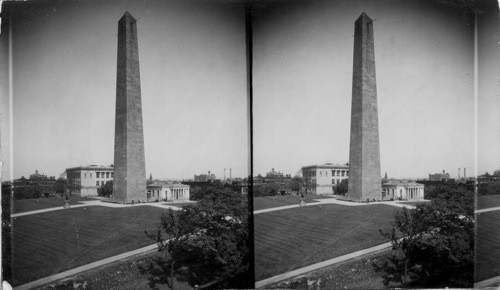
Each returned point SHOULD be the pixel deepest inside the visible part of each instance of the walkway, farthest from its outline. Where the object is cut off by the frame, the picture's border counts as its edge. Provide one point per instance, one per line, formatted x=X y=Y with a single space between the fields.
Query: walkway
x=95 y=203
x=336 y=201
x=78 y=270
x=287 y=275
x=487 y=209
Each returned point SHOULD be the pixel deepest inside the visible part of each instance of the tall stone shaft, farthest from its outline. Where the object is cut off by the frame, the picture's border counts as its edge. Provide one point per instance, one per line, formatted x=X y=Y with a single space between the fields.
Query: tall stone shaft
x=364 y=155
x=129 y=179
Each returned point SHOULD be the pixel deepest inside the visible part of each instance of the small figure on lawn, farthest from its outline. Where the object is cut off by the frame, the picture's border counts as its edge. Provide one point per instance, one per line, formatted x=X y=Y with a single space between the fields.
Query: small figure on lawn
x=302 y=200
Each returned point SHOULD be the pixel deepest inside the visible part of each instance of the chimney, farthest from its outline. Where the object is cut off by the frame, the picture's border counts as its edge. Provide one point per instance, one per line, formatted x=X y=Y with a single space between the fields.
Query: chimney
x=465 y=176
x=229 y=173
x=224 y=173
x=209 y=172
x=458 y=173
x=443 y=171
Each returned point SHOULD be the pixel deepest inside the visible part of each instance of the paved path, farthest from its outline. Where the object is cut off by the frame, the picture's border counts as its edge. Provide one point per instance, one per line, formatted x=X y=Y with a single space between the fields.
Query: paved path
x=77 y=270
x=335 y=201
x=95 y=203
x=487 y=209
x=287 y=275
x=492 y=282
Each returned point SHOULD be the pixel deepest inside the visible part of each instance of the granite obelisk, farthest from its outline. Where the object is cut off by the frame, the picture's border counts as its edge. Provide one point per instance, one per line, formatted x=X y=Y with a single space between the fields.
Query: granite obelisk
x=364 y=155
x=129 y=179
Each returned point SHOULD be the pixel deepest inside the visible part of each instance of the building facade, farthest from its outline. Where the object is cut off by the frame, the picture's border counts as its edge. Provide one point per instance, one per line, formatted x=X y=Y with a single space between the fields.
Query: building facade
x=204 y=177
x=321 y=179
x=166 y=191
x=85 y=180
x=439 y=176
x=402 y=190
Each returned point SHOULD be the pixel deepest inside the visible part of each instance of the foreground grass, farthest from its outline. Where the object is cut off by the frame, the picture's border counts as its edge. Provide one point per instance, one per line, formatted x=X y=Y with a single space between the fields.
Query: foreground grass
x=290 y=239
x=264 y=202
x=487 y=201
x=357 y=273
x=119 y=275
x=52 y=242
x=24 y=205
x=487 y=239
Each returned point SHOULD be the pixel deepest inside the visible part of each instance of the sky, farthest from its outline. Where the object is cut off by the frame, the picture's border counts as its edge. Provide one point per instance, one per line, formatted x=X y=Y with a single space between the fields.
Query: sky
x=193 y=81
x=489 y=89
x=424 y=56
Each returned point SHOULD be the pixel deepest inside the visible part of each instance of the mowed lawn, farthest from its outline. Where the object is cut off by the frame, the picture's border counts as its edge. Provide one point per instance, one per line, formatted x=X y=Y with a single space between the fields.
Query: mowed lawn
x=487 y=201
x=24 y=205
x=264 y=202
x=290 y=239
x=487 y=239
x=52 y=242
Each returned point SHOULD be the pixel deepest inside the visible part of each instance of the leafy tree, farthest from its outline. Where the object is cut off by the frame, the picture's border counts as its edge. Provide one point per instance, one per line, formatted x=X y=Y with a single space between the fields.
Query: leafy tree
x=266 y=189
x=27 y=191
x=106 y=190
x=61 y=185
x=196 y=193
x=297 y=184
x=433 y=244
x=341 y=188
x=204 y=243
x=489 y=188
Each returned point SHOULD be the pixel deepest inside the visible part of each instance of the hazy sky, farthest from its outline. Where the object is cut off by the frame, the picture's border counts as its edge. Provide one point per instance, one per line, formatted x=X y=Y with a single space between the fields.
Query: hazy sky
x=303 y=54
x=489 y=89
x=193 y=80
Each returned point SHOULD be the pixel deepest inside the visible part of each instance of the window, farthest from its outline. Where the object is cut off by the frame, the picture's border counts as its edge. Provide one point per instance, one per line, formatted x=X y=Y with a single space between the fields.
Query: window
x=321 y=173
x=338 y=181
x=91 y=174
x=97 y=183
x=111 y=174
x=343 y=172
x=333 y=181
x=107 y=174
x=102 y=182
x=97 y=174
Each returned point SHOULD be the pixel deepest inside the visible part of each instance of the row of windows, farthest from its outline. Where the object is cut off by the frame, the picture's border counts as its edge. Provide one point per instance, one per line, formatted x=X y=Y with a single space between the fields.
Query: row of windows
x=104 y=174
x=336 y=181
x=334 y=173
x=101 y=182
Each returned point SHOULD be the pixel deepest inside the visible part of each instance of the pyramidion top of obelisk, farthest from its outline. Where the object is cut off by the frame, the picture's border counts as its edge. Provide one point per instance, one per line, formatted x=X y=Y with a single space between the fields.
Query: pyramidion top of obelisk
x=364 y=18
x=127 y=16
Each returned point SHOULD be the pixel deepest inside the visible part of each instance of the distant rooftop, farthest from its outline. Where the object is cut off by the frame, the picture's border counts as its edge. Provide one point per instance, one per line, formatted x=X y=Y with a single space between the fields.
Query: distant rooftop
x=91 y=167
x=327 y=165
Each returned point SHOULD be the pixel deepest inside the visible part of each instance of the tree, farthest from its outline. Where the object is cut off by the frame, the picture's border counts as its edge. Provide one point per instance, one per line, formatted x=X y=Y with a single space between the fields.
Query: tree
x=433 y=244
x=106 y=190
x=341 y=188
x=297 y=184
x=61 y=186
x=204 y=243
x=265 y=189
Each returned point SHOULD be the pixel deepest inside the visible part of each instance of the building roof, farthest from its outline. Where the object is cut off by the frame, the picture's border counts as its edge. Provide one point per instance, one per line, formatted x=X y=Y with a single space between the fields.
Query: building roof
x=158 y=184
x=402 y=183
x=91 y=167
x=327 y=166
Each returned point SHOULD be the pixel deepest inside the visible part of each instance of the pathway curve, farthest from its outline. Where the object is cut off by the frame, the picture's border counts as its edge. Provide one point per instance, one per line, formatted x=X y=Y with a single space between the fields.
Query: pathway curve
x=297 y=272
x=336 y=201
x=487 y=209
x=95 y=203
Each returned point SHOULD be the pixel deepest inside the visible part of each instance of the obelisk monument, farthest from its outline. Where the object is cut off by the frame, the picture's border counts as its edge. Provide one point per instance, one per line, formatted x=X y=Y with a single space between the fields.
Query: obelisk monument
x=129 y=179
x=364 y=155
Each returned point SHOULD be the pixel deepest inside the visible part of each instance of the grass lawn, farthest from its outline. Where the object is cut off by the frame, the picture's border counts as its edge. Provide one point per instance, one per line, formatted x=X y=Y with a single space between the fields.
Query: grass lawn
x=179 y=204
x=486 y=201
x=52 y=242
x=119 y=275
x=23 y=205
x=487 y=240
x=290 y=239
x=264 y=202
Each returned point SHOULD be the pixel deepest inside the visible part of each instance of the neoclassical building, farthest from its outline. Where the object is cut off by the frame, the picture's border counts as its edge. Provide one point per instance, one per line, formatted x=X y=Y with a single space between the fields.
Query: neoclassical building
x=402 y=190
x=325 y=177
x=167 y=191
x=87 y=179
